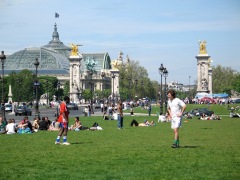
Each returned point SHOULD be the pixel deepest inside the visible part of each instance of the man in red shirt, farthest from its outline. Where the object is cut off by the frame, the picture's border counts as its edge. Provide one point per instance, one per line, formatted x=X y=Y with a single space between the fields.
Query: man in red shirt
x=63 y=120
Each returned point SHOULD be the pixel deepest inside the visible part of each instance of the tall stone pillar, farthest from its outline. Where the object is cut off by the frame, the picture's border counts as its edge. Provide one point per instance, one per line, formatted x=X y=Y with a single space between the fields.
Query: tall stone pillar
x=115 y=83
x=10 y=94
x=204 y=84
x=74 y=83
x=210 y=70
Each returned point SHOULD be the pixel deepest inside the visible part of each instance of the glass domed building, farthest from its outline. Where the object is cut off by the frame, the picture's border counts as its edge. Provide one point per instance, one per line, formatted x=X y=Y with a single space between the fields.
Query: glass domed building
x=53 y=61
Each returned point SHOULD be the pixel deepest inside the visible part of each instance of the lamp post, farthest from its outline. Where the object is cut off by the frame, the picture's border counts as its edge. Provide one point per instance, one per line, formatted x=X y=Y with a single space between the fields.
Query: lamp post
x=58 y=89
x=113 y=98
x=36 y=84
x=160 y=69
x=91 y=73
x=18 y=83
x=136 y=82
x=189 y=86
x=142 y=88
x=129 y=82
x=103 y=88
x=3 y=57
x=47 y=92
x=165 y=74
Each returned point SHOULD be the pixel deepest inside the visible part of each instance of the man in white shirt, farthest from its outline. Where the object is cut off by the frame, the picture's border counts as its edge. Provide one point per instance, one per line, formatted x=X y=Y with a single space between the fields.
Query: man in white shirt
x=176 y=107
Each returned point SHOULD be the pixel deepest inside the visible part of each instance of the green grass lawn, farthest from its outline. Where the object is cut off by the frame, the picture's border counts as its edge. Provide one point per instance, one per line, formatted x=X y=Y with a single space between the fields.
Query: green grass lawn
x=209 y=150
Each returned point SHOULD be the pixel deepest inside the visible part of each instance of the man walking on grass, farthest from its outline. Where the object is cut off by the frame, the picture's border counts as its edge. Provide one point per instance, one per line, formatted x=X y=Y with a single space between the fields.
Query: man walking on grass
x=176 y=107
x=63 y=120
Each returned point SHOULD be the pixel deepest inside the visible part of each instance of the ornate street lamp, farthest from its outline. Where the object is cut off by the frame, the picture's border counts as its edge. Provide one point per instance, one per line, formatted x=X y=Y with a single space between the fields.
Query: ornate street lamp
x=165 y=74
x=129 y=83
x=47 y=92
x=189 y=86
x=136 y=83
x=58 y=89
x=18 y=83
x=91 y=73
x=142 y=83
x=3 y=57
x=160 y=69
x=36 y=84
x=113 y=98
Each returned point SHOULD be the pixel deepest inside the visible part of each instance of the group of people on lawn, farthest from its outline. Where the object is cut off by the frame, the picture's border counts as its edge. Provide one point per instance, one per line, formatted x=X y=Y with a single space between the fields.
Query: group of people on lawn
x=25 y=126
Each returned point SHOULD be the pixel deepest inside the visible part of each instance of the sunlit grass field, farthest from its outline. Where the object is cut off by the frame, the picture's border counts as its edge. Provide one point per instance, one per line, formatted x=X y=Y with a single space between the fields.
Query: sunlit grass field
x=209 y=150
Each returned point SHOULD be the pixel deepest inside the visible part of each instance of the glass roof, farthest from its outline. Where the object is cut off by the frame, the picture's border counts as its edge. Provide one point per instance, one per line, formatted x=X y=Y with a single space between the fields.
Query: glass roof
x=53 y=58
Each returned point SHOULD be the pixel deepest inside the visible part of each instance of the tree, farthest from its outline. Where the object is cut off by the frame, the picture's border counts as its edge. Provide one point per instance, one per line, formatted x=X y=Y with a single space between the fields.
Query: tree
x=236 y=82
x=223 y=78
x=134 y=82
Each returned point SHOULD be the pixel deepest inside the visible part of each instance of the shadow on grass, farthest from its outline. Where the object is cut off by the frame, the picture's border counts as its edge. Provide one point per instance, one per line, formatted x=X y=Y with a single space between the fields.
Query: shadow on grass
x=73 y=143
x=189 y=146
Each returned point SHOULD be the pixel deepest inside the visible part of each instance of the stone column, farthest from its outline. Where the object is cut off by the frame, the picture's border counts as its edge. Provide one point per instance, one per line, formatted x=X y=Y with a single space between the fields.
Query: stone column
x=74 y=82
x=210 y=80
x=203 y=77
x=115 y=83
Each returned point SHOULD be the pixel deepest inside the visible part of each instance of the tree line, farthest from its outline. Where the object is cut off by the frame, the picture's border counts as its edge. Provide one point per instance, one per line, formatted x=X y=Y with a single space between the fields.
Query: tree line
x=134 y=83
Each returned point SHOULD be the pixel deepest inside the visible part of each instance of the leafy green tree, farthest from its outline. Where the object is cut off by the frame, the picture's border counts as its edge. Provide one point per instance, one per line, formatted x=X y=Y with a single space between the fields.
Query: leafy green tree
x=236 y=82
x=87 y=94
x=134 y=82
x=223 y=79
x=66 y=89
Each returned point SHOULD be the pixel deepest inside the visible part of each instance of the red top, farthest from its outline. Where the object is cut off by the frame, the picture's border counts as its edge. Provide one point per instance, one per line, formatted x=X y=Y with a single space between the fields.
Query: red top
x=63 y=109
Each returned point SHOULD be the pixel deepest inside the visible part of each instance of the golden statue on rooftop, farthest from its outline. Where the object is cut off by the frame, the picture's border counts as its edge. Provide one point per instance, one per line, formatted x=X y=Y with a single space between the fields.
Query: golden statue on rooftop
x=74 y=47
x=202 y=47
x=114 y=64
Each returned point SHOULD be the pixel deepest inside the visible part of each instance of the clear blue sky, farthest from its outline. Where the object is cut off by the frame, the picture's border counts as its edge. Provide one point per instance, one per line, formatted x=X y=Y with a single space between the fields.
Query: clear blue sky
x=149 y=31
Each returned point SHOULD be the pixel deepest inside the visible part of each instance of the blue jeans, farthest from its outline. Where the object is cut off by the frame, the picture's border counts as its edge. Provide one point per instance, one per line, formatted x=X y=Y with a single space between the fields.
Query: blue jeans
x=120 y=121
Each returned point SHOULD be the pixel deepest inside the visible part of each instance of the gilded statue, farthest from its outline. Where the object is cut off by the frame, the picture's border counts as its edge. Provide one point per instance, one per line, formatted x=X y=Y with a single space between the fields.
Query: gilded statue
x=74 y=47
x=202 y=47
x=209 y=62
x=114 y=64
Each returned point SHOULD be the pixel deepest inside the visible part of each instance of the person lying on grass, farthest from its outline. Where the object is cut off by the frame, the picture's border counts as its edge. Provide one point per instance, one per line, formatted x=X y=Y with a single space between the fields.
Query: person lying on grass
x=146 y=123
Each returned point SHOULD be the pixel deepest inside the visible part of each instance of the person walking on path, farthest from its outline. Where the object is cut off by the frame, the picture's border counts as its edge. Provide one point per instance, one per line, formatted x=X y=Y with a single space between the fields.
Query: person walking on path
x=63 y=120
x=176 y=107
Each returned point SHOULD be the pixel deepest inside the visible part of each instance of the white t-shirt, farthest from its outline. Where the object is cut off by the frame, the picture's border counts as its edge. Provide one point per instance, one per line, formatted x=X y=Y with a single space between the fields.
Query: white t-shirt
x=10 y=128
x=176 y=106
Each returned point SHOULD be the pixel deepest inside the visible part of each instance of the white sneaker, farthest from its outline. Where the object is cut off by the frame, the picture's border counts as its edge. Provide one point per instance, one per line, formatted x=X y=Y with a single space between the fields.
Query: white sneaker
x=57 y=142
x=65 y=143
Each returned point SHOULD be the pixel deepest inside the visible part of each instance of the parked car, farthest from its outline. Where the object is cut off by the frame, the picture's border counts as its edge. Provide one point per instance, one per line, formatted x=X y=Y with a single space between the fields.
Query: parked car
x=23 y=110
x=236 y=101
x=8 y=107
x=200 y=111
x=72 y=106
x=97 y=105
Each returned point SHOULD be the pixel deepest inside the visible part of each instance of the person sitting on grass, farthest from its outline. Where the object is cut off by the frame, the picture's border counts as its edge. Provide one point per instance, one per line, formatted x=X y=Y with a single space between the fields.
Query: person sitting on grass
x=24 y=124
x=54 y=126
x=105 y=116
x=161 y=118
x=35 y=124
x=2 y=125
x=11 y=127
x=77 y=126
x=43 y=125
